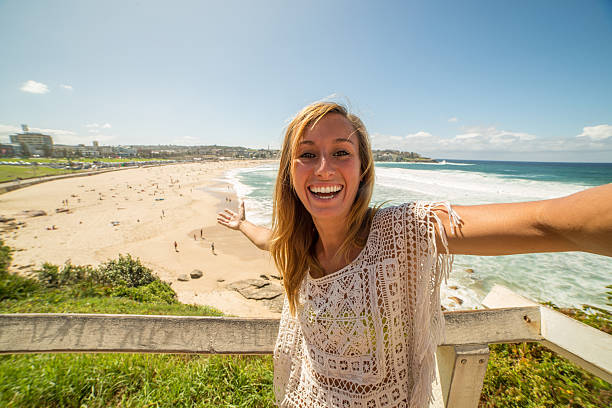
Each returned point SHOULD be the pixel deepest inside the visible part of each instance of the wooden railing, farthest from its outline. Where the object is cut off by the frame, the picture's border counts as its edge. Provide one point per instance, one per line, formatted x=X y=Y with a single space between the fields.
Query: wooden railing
x=462 y=359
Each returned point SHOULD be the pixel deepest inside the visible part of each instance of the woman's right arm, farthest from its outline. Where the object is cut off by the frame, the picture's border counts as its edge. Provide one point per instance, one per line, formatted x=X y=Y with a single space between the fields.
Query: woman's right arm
x=258 y=235
x=579 y=222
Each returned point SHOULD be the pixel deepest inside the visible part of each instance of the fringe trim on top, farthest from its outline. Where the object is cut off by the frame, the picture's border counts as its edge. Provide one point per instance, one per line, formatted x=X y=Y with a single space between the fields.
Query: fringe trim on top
x=429 y=320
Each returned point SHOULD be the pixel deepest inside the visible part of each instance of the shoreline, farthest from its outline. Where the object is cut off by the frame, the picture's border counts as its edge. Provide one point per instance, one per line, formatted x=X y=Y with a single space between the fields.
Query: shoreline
x=141 y=211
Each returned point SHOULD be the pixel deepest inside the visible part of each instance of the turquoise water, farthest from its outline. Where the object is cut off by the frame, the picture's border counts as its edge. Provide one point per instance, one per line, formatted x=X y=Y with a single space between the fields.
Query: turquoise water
x=567 y=279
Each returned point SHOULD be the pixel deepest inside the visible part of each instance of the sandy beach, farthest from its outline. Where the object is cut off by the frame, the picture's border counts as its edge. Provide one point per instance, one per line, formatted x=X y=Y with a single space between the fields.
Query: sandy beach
x=142 y=212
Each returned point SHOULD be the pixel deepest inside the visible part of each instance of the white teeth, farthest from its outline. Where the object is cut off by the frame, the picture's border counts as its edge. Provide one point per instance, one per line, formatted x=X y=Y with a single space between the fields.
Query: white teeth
x=326 y=189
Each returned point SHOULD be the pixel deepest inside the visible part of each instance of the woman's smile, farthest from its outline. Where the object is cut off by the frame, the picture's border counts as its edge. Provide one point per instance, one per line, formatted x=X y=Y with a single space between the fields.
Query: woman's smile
x=325 y=192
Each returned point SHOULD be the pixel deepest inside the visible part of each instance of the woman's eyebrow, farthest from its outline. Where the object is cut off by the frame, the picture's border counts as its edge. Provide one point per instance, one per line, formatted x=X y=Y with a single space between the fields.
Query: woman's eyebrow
x=344 y=140
x=337 y=140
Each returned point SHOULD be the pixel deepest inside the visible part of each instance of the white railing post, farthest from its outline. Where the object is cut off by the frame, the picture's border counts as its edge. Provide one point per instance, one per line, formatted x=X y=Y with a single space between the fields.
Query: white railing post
x=462 y=369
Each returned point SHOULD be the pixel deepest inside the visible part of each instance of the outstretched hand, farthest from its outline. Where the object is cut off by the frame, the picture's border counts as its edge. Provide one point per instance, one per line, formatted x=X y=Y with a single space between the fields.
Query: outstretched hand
x=231 y=219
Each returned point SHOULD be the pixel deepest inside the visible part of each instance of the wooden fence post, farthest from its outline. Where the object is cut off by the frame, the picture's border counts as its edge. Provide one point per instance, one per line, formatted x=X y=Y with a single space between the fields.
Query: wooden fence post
x=462 y=369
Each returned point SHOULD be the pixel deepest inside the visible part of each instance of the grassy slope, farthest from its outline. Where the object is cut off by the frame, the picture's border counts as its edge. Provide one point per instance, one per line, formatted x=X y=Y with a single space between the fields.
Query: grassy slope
x=518 y=375
x=10 y=173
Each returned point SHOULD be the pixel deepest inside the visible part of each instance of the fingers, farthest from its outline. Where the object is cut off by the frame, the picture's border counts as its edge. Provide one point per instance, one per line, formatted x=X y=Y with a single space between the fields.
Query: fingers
x=226 y=214
x=224 y=221
x=223 y=217
x=241 y=213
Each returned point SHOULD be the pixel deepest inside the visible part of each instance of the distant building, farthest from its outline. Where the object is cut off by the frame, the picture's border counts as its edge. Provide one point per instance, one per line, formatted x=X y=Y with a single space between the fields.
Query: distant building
x=33 y=143
x=106 y=150
x=64 y=151
x=85 y=151
x=10 y=150
x=126 y=151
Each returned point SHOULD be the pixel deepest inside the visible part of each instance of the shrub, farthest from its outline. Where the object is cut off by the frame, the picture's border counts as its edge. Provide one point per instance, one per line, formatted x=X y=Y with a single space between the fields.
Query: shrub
x=48 y=275
x=5 y=258
x=530 y=375
x=16 y=287
x=13 y=286
x=123 y=277
x=52 y=277
x=156 y=291
x=126 y=271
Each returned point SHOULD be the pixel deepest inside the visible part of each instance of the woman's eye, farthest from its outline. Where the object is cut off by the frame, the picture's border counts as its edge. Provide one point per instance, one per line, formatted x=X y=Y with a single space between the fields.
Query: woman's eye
x=341 y=153
x=307 y=156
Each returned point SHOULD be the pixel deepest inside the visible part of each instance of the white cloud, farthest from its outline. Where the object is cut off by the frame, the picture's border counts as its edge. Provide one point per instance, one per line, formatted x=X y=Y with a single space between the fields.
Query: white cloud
x=97 y=125
x=599 y=132
x=34 y=87
x=6 y=130
x=68 y=87
x=468 y=136
x=453 y=119
x=492 y=138
x=419 y=135
x=487 y=141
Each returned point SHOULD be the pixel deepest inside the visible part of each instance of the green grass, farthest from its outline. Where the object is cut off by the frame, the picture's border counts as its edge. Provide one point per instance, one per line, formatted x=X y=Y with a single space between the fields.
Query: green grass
x=79 y=159
x=64 y=301
x=530 y=375
x=10 y=173
x=135 y=380
x=518 y=375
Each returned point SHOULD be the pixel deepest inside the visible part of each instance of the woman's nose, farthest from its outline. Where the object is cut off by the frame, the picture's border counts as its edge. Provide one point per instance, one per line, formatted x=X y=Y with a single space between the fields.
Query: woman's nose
x=324 y=167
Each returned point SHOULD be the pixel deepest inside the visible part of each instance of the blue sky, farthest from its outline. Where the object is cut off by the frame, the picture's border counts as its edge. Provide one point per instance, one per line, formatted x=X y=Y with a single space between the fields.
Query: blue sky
x=499 y=80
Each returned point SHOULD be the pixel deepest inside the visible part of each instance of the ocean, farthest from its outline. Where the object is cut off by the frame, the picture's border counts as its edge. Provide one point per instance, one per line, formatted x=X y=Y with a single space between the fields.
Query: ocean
x=566 y=279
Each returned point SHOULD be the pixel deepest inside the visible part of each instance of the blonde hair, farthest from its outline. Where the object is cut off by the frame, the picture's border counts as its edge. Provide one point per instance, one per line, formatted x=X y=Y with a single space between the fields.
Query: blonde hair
x=293 y=231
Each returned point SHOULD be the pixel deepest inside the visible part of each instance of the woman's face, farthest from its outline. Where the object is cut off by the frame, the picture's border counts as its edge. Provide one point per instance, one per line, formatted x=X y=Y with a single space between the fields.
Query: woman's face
x=326 y=169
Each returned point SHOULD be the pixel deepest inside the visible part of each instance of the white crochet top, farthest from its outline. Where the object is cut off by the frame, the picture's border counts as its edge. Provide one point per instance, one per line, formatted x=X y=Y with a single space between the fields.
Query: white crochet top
x=365 y=336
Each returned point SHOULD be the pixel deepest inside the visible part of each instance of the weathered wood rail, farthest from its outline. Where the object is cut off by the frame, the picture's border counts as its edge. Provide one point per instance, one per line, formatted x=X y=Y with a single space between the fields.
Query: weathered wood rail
x=462 y=359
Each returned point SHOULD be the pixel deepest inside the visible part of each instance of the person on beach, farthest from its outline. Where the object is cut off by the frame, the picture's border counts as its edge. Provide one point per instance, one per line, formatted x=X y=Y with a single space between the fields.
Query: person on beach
x=362 y=318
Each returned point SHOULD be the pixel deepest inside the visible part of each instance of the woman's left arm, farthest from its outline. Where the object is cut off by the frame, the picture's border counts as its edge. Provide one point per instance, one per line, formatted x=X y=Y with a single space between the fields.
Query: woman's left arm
x=579 y=222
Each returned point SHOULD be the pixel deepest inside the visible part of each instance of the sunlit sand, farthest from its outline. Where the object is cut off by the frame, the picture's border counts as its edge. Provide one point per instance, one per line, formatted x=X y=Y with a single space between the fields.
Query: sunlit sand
x=142 y=212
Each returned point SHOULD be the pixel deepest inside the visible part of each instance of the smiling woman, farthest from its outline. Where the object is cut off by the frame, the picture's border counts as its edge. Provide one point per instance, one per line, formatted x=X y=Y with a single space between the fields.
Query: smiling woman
x=362 y=317
x=324 y=147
